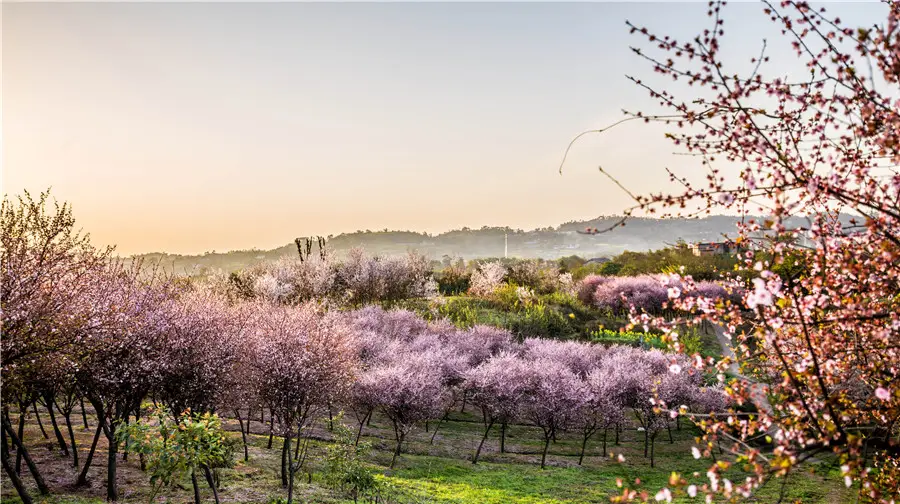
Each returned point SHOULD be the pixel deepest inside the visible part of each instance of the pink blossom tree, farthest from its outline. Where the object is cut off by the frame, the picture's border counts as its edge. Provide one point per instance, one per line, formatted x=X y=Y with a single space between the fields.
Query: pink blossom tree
x=486 y=279
x=553 y=400
x=815 y=155
x=121 y=354
x=408 y=391
x=498 y=387
x=303 y=361
x=602 y=407
x=200 y=353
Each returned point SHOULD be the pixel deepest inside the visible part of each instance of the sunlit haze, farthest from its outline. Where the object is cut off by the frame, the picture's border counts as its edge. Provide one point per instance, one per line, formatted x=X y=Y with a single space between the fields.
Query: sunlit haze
x=195 y=127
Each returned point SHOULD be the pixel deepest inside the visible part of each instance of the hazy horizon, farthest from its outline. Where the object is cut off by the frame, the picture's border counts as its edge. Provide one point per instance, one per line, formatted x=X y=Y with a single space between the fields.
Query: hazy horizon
x=187 y=128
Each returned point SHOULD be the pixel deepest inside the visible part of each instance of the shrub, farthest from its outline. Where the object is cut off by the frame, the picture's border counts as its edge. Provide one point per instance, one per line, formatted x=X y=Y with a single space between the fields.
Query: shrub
x=534 y=274
x=536 y=319
x=588 y=285
x=344 y=466
x=628 y=338
x=461 y=313
x=486 y=279
x=175 y=447
x=454 y=279
x=643 y=292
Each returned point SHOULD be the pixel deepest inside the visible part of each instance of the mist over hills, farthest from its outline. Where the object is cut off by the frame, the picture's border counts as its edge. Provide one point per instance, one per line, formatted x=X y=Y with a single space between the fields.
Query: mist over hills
x=637 y=234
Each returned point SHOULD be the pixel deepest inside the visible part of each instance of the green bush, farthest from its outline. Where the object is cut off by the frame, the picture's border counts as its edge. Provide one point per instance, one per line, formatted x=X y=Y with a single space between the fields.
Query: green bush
x=506 y=298
x=630 y=338
x=691 y=341
x=453 y=280
x=536 y=319
x=345 y=469
x=460 y=312
x=176 y=447
x=568 y=264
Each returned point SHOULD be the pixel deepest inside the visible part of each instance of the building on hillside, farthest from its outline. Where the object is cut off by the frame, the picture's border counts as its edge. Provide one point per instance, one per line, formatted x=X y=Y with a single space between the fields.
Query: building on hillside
x=715 y=248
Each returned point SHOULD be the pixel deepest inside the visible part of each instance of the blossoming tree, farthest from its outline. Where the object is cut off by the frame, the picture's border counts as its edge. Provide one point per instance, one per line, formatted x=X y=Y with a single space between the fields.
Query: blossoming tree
x=821 y=146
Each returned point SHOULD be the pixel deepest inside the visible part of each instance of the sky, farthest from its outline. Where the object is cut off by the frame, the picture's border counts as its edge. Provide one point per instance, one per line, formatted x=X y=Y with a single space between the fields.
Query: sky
x=193 y=127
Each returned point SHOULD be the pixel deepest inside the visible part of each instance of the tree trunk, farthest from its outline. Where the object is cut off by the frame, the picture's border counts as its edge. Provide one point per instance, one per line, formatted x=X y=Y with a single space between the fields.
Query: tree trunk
x=652 y=446
x=38 y=418
x=481 y=444
x=209 y=479
x=59 y=437
x=285 y=455
x=646 y=441
x=669 y=428
x=83 y=412
x=82 y=478
x=112 y=490
x=361 y=423
x=399 y=445
x=438 y=426
x=237 y=413
x=67 y=416
x=617 y=434
x=137 y=412
x=291 y=469
x=196 y=486
x=583 y=447
x=11 y=474
x=20 y=449
x=605 y=429
x=271 y=431
x=127 y=443
x=503 y=437
x=4 y=445
x=546 y=447
x=21 y=440
x=297 y=448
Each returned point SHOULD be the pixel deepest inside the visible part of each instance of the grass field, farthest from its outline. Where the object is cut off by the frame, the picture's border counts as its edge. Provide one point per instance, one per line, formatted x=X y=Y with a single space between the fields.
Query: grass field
x=425 y=473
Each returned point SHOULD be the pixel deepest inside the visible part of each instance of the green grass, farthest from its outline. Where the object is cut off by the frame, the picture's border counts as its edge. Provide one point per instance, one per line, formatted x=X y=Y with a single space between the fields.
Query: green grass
x=433 y=473
x=553 y=315
x=459 y=482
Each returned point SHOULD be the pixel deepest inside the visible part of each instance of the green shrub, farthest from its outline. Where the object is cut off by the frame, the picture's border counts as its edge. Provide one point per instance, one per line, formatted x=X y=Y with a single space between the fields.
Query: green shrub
x=176 y=447
x=691 y=341
x=460 y=312
x=344 y=466
x=568 y=264
x=453 y=280
x=536 y=319
x=506 y=298
x=630 y=338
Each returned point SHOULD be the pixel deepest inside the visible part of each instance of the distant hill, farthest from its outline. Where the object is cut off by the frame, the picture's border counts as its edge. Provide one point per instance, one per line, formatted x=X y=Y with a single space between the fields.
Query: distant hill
x=549 y=243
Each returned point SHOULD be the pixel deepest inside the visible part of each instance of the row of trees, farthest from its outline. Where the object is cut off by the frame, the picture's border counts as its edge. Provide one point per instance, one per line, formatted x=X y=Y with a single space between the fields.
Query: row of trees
x=80 y=327
x=416 y=372
x=356 y=280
